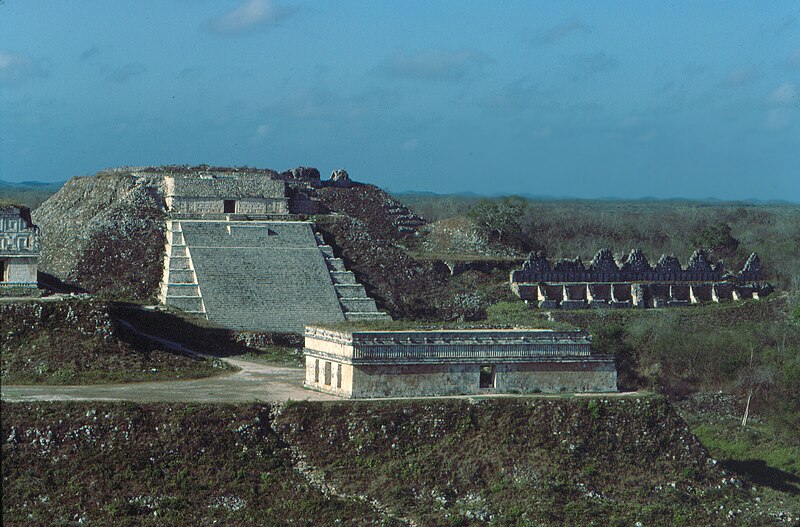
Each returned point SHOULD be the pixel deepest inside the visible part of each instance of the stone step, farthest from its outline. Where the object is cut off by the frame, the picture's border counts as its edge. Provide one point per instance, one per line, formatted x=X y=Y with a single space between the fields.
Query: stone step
x=350 y=291
x=343 y=277
x=181 y=276
x=336 y=264
x=175 y=238
x=358 y=304
x=178 y=251
x=176 y=289
x=176 y=227
x=360 y=315
x=192 y=304
x=179 y=263
x=326 y=250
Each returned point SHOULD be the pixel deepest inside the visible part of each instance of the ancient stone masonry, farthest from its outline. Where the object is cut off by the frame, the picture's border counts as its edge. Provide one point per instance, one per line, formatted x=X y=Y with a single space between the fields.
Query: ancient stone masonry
x=365 y=364
x=239 y=253
x=19 y=251
x=633 y=282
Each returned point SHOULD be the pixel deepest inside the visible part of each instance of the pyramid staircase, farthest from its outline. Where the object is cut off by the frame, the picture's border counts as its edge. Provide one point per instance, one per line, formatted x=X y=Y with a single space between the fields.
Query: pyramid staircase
x=179 y=286
x=356 y=304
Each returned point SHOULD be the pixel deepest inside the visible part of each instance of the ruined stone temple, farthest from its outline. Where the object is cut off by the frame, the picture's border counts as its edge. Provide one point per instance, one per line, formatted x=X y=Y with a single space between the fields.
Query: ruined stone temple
x=366 y=364
x=240 y=253
x=568 y=284
x=19 y=251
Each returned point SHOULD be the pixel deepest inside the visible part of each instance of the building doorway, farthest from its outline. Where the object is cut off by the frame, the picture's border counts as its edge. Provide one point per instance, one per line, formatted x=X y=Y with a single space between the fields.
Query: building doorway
x=488 y=376
x=229 y=206
x=3 y=271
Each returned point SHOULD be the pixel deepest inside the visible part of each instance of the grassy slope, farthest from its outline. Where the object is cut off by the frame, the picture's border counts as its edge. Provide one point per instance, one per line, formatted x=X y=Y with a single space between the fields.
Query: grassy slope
x=503 y=462
x=81 y=342
x=123 y=464
x=519 y=461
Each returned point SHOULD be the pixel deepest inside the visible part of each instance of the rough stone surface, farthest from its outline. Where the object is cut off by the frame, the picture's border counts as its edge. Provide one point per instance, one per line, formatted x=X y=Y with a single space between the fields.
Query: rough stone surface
x=105 y=233
x=265 y=276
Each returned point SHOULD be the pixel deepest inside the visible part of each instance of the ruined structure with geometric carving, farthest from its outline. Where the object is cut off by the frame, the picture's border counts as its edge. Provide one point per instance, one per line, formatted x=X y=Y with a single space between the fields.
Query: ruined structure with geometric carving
x=240 y=252
x=19 y=251
x=366 y=364
x=633 y=282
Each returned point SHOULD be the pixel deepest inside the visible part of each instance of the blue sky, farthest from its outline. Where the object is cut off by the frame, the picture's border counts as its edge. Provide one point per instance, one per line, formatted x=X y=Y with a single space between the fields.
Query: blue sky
x=584 y=99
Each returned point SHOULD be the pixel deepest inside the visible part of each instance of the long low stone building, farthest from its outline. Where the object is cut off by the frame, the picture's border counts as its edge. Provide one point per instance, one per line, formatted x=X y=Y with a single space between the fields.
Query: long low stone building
x=568 y=284
x=368 y=364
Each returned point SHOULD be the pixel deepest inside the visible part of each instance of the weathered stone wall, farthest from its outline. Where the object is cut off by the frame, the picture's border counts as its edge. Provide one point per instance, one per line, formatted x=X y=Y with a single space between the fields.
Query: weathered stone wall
x=420 y=380
x=568 y=284
x=18 y=271
x=19 y=248
x=427 y=363
x=214 y=205
x=639 y=294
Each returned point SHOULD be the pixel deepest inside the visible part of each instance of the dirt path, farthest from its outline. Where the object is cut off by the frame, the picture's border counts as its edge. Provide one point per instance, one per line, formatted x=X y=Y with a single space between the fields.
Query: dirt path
x=254 y=382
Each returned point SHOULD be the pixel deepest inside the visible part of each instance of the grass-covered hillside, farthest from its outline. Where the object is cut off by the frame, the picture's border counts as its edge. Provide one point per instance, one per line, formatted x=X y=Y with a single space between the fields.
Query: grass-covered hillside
x=125 y=464
x=85 y=342
x=503 y=462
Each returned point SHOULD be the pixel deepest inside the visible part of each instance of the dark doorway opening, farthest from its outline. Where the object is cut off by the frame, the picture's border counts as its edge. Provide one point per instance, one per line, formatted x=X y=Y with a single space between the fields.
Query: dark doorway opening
x=229 y=206
x=2 y=270
x=327 y=373
x=488 y=376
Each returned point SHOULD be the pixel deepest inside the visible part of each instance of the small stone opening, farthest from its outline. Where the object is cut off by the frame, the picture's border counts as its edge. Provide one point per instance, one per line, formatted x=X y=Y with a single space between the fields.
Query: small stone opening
x=487 y=376
x=3 y=271
x=316 y=370
x=338 y=375
x=229 y=206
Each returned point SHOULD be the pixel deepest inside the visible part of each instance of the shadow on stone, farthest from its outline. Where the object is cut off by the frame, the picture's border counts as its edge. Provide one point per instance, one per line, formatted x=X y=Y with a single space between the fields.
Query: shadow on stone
x=220 y=342
x=758 y=472
x=54 y=284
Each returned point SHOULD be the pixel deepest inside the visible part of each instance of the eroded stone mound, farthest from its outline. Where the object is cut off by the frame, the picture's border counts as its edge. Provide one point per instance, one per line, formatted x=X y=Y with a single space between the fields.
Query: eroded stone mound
x=106 y=233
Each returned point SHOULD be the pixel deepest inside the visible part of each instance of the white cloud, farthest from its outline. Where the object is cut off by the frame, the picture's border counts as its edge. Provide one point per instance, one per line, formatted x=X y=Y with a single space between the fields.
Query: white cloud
x=260 y=132
x=741 y=76
x=411 y=144
x=784 y=95
x=588 y=65
x=89 y=53
x=560 y=31
x=433 y=64
x=16 y=68
x=778 y=118
x=249 y=16
x=794 y=59
x=123 y=73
